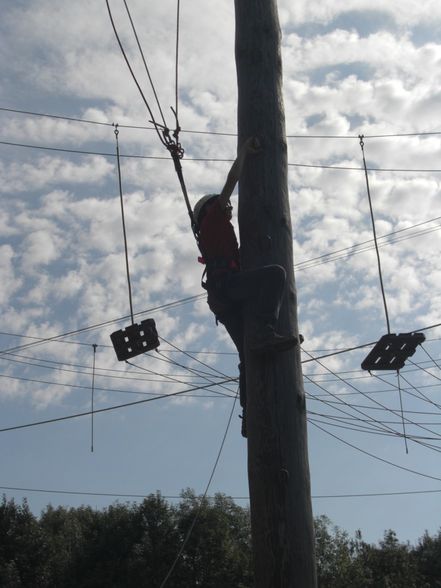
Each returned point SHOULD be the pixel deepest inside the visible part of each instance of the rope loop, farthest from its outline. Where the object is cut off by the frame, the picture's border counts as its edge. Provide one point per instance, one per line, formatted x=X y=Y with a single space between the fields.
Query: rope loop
x=172 y=143
x=176 y=150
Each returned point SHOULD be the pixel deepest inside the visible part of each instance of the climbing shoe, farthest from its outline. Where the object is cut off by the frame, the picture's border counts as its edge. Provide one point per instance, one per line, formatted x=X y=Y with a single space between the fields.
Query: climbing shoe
x=273 y=343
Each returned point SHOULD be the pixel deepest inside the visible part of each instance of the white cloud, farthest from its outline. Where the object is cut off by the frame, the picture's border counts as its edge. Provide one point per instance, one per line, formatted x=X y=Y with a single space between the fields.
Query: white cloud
x=39 y=248
x=10 y=281
x=19 y=177
x=407 y=12
x=62 y=251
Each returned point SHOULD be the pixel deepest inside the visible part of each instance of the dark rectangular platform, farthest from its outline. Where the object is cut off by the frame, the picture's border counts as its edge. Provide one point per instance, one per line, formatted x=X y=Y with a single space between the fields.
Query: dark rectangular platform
x=391 y=351
x=135 y=339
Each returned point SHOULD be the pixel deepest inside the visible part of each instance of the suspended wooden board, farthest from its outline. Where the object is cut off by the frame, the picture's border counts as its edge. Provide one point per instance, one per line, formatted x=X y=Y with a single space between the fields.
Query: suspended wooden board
x=135 y=339
x=391 y=351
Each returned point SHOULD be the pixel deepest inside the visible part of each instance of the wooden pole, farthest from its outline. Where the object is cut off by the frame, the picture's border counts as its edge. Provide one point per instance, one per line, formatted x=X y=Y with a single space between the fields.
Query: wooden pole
x=278 y=469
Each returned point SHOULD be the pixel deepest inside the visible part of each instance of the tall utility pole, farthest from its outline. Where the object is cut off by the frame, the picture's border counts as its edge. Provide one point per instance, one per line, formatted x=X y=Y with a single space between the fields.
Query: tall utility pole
x=278 y=469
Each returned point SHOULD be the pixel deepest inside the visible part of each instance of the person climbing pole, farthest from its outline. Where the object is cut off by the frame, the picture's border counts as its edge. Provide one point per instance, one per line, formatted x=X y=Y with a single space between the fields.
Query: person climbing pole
x=229 y=287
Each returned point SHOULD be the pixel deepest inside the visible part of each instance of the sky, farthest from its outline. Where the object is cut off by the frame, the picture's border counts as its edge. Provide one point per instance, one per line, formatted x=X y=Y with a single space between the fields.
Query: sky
x=350 y=68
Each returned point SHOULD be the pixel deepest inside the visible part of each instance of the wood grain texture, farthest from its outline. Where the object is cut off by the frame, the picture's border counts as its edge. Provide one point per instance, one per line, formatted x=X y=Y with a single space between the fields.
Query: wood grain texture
x=278 y=468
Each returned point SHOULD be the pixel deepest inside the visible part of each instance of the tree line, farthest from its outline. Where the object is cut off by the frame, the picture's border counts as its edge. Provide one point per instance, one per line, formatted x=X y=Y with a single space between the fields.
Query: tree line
x=134 y=544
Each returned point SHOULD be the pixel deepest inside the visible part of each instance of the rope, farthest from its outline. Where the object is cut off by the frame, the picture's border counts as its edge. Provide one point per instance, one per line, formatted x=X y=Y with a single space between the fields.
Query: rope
x=198 y=512
x=145 y=62
x=375 y=234
x=402 y=411
x=172 y=144
x=381 y=281
x=133 y=74
x=178 y=8
x=123 y=222
x=178 y=169
x=93 y=394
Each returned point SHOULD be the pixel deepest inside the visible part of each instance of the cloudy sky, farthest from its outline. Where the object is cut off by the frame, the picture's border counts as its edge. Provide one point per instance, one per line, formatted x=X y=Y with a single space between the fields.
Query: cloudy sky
x=350 y=68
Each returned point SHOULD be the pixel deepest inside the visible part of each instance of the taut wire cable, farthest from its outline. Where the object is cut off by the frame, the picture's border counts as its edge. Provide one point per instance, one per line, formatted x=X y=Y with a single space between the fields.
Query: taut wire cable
x=174 y=497
x=402 y=410
x=408 y=420
x=178 y=10
x=215 y=159
x=316 y=359
x=115 y=407
x=172 y=144
x=361 y=137
x=383 y=425
x=378 y=458
x=145 y=63
x=421 y=394
x=93 y=397
x=186 y=353
x=431 y=359
x=225 y=134
x=133 y=74
x=199 y=509
x=123 y=222
x=172 y=379
x=42 y=341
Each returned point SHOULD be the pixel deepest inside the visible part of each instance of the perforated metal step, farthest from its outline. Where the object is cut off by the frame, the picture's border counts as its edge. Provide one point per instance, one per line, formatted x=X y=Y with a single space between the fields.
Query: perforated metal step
x=135 y=339
x=391 y=351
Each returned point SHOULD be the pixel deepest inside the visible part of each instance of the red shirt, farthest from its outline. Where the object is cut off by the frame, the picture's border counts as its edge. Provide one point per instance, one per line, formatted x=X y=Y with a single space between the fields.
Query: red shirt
x=217 y=237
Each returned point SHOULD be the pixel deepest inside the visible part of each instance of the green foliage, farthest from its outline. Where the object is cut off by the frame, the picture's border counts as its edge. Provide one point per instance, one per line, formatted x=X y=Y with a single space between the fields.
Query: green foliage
x=221 y=534
x=338 y=565
x=351 y=563
x=22 y=547
x=428 y=556
x=133 y=545
x=391 y=565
